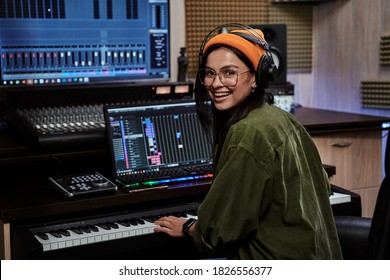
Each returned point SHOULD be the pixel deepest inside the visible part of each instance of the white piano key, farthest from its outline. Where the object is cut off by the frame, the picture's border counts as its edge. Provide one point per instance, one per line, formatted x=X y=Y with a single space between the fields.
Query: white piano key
x=61 y=245
x=91 y=240
x=111 y=236
x=192 y=217
x=54 y=246
x=337 y=198
x=75 y=242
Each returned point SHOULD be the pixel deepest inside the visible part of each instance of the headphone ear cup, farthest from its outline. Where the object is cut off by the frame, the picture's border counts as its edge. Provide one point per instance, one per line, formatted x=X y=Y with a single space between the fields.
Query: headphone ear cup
x=266 y=71
x=272 y=72
x=262 y=70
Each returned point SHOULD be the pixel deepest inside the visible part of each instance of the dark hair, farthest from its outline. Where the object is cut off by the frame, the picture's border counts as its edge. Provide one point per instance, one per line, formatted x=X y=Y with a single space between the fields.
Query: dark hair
x=222 y=120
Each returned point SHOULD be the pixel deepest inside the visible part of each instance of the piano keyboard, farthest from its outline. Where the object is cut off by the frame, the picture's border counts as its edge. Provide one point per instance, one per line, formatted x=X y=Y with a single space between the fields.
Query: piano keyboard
x=98 y=230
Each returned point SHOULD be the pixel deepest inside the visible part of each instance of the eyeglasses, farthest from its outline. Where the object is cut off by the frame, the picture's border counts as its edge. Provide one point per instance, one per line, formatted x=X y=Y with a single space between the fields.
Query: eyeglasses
x=228 y=77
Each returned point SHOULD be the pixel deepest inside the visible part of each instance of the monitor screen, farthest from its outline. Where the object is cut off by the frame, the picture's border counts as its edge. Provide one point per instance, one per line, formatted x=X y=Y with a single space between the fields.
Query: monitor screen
x=68 y=42
x=151 y=137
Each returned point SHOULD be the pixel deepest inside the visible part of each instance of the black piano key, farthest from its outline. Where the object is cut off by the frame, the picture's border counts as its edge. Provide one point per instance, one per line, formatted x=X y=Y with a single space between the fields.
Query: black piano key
x=104 y=226
x=140 y=221
x=167 y=214
x=55 y=234
x=133 y=222
x=94 y=228
x=183 y=214
x=112 y=225
x=76 y=230
x=64 y=232
x=85 y=229
x=124 y=223
x=42 y=235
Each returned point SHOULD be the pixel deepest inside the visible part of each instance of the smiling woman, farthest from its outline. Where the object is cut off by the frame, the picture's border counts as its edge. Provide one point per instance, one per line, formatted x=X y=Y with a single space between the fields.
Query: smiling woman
x=269 y=197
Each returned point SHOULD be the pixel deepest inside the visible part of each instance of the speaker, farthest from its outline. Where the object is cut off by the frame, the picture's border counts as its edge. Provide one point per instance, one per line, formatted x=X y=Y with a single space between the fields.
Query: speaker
x=276 y=37
x=266 y=69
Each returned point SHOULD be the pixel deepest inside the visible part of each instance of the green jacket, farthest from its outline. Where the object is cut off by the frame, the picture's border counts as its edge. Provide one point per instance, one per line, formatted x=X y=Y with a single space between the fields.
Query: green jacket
x=270 y=194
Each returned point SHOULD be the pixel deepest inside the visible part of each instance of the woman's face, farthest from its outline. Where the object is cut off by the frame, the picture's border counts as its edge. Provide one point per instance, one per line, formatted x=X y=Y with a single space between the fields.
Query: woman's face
x=224 y=63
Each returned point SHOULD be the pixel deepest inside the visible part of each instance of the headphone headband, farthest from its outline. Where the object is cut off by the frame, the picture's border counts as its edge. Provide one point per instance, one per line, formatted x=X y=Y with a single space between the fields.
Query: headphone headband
x=224 y=28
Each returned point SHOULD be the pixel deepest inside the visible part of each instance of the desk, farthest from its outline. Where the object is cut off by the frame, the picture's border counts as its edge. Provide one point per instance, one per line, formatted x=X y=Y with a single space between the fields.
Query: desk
x=26 y=198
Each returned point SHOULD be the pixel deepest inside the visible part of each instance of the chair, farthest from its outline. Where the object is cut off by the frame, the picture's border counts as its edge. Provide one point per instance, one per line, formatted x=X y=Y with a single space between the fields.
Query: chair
x=369 y=238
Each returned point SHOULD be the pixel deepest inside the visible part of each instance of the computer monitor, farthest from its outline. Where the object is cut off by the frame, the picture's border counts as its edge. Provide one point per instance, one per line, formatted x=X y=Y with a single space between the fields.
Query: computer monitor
x=60 y=43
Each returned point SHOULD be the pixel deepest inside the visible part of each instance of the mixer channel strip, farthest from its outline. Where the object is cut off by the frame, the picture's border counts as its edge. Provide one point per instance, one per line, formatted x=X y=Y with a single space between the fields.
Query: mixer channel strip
x=55 y=127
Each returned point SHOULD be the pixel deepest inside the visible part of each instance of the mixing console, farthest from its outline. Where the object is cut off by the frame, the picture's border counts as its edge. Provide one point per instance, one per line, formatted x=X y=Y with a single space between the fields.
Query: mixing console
x=51 y=127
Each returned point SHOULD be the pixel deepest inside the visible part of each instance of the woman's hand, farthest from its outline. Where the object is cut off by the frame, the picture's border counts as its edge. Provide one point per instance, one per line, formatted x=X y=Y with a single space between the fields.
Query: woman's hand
x=171 y=225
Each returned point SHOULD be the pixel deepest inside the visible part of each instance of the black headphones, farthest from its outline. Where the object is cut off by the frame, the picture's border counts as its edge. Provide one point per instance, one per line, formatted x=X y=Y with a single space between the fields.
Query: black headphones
x=266 y=69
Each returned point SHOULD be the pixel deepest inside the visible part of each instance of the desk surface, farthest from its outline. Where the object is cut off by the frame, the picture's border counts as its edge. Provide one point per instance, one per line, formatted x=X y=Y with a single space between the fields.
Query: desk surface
x=318 y=121
x=22 y=199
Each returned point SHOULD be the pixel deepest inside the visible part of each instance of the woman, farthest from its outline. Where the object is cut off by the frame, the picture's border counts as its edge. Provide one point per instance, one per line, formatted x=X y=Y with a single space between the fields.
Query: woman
x=270 y=194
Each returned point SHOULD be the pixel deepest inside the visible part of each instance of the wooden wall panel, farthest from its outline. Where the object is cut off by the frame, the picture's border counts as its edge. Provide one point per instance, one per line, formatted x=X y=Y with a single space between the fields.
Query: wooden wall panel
x=346 y=51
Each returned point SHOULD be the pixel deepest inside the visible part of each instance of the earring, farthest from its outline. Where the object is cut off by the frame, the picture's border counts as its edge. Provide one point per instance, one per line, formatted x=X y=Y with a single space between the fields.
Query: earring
x=253 y=89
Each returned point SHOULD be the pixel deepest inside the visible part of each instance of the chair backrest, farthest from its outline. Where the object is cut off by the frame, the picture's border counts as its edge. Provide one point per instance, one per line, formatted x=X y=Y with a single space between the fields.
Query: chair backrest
x=379 y=238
